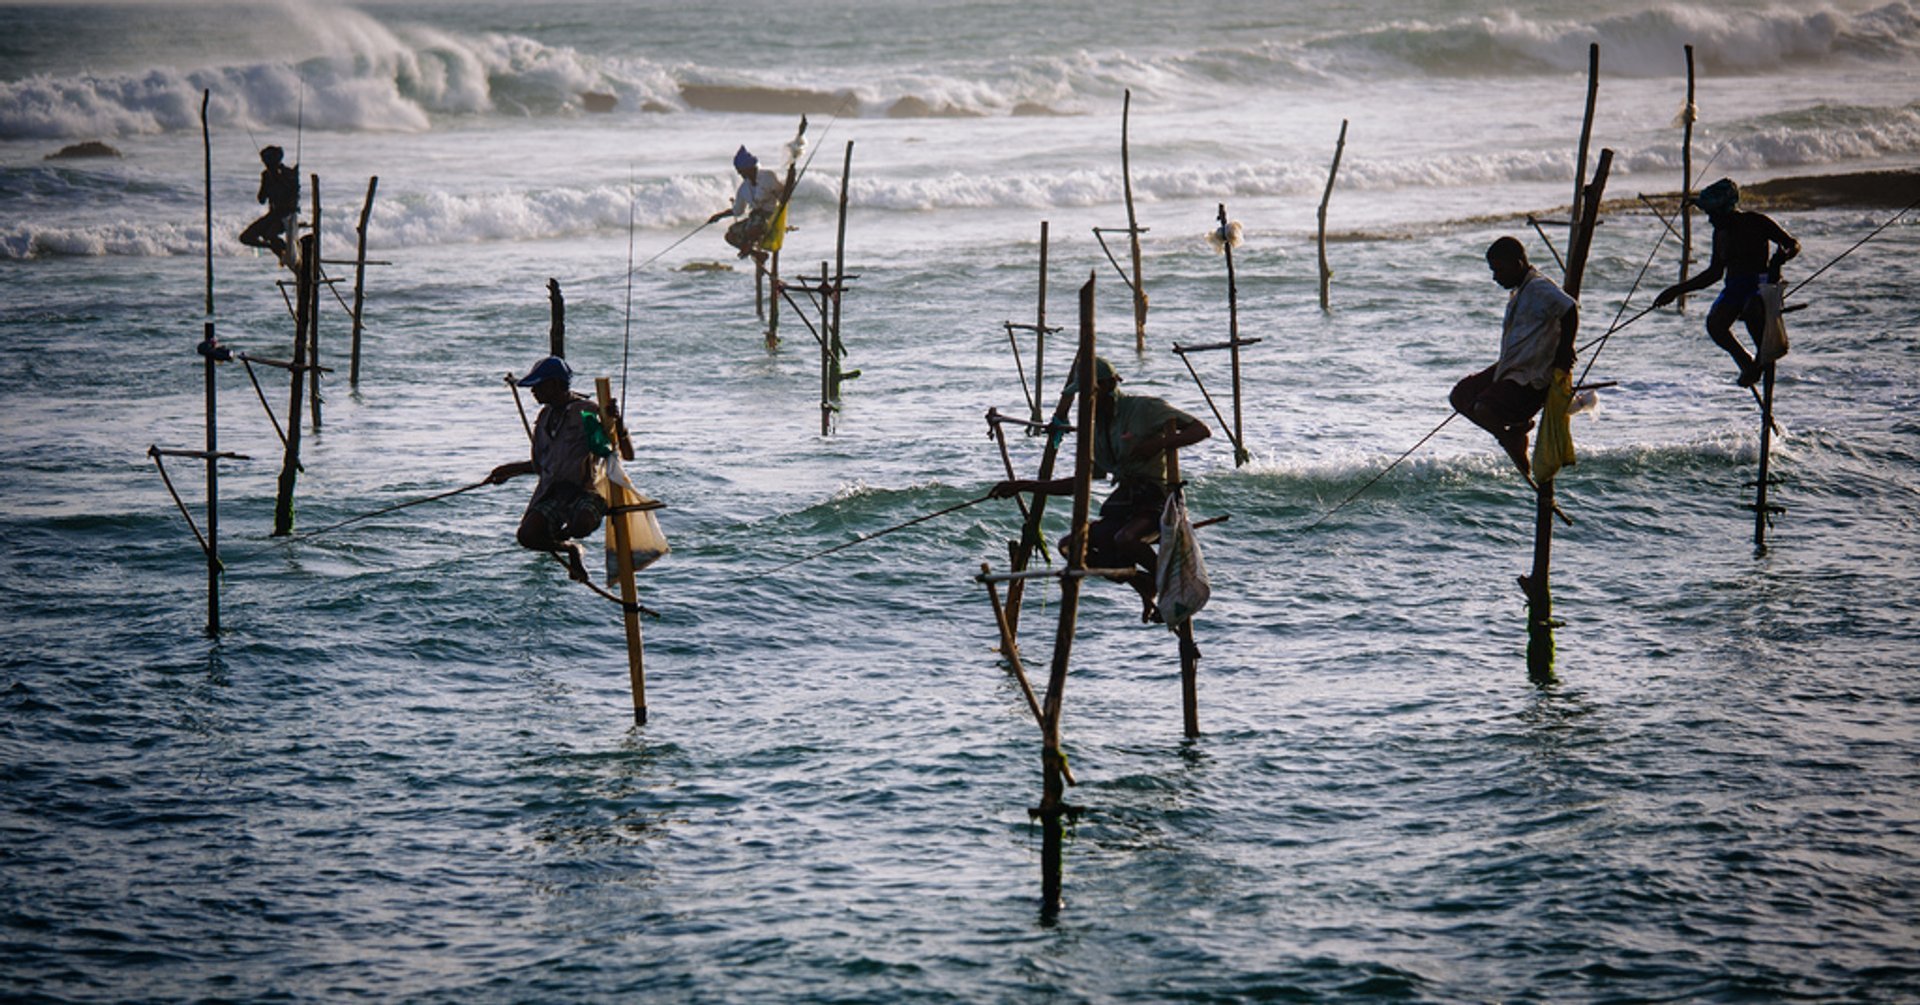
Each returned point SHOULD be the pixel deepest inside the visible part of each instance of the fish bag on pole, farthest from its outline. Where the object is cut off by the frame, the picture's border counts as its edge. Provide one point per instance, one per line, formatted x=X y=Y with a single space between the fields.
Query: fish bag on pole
x=645 y=540
x=1181 y=578
x=1773 y=334
x=1553 y=448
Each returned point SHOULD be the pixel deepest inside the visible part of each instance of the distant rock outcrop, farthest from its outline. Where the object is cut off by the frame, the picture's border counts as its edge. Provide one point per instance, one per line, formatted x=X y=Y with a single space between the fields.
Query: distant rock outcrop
x=81 y=151
x=598 y=101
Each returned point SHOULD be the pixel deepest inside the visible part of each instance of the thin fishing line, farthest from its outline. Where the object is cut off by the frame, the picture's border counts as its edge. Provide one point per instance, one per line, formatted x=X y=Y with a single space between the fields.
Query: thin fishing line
x=1383 y=473
x=1856 y=246
x=388 y=509
x=869 y=537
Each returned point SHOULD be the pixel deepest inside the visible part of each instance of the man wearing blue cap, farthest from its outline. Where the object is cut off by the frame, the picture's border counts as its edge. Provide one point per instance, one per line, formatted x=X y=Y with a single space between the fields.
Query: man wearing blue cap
x=1740 y=243
x=568 y=442
x=1130 y=444
x=758 y=198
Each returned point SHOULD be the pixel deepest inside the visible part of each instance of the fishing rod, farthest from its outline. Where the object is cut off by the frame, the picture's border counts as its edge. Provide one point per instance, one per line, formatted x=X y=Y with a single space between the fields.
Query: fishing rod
x=388 y=509
x=878 y=533
x=626 y=337
x=1856 y=246
x=1383 y=473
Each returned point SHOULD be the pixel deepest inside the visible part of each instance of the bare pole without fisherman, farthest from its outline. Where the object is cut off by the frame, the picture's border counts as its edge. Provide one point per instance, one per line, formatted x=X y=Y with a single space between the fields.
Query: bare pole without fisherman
x=1133 y=226
x=1326 y=273
x=1687 y=115
x=360 y=280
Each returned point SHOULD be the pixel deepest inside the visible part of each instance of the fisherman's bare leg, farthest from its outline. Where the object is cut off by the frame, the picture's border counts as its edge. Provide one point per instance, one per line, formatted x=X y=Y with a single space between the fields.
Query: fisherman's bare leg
x=1720 y=328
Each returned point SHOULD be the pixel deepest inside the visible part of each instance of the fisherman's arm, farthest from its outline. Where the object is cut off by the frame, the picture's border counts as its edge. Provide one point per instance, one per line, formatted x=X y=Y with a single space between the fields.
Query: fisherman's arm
x=1789 y=248
x=1186 y=434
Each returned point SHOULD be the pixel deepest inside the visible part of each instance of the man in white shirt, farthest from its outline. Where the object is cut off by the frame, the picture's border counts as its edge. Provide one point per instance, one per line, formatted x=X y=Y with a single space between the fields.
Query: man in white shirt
x=1536 y=336
x=757 y=201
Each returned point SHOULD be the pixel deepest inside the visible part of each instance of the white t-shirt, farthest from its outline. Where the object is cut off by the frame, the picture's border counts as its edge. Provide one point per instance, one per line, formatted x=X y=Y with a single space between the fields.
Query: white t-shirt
x=1531 y=333
x=762 y=194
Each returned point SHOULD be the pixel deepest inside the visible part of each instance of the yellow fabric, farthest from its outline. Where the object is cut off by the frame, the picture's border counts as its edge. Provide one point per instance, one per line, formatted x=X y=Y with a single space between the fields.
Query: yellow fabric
x=776 y=232
x=1553 y=448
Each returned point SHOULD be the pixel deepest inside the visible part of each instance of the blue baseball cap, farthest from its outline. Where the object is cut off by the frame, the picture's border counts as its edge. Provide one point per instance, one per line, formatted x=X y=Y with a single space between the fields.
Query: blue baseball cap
x=547 y=369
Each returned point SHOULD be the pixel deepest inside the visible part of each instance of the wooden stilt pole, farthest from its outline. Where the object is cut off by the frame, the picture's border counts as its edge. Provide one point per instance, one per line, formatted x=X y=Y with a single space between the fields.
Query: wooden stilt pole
x=211 y=351
x=556 y=320
x=1133 y=227
x=1240 y=454
x=1030 y=532
x=1580 y=159
x=826 y=354
x=773 y=301
x=1053 y=807
x=360 y=280
x=617 y=526
x=1326 y=273
x=839 y=285
x=305 y=300
x=759 y=291
x=1040 y=330
x=313 y=316
x=1762 y=510
x=1687 y=115
x=1189 y=652
x=1537 y=584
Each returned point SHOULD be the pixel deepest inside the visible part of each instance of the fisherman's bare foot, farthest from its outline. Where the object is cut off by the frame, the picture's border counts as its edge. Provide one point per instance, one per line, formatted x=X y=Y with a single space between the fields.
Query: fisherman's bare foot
x=1750 y=373
x=1515 y=442
x=576 y=569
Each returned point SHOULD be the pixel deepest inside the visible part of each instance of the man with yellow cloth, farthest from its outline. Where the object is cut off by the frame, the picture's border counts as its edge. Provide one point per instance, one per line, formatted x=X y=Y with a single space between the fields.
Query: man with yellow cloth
x=1536 y=352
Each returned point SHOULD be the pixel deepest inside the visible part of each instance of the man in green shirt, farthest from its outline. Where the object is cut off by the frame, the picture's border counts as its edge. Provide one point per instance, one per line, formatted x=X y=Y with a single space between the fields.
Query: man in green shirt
x=1132 y=434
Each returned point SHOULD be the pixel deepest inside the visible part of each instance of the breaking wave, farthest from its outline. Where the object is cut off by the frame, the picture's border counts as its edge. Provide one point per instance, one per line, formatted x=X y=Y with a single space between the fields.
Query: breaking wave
x=372 y=75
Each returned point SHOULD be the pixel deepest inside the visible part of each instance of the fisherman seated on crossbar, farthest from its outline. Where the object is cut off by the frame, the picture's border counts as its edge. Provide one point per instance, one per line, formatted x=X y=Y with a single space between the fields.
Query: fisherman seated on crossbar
x=1131 y=440
x=757 y=202
x=1536 y=336
x=280 y=191
x=568 y=443
x=1740 y=244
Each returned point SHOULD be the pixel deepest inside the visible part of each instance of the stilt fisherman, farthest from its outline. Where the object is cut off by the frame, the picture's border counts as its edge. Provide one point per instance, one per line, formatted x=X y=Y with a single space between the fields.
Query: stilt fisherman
x=569 y=442
x=1740 y=243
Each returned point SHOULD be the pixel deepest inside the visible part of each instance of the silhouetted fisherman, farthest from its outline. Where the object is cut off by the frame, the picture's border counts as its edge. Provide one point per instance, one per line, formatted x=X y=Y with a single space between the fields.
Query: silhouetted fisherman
x=1740 y=243
x=757 y=202
x=1130 y=442
x=280 y=190
x=1535 y=337
x=568 y=444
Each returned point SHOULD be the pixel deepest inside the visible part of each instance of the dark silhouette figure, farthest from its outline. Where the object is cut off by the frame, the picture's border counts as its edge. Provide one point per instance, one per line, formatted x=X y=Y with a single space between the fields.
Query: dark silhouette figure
x=1535 y=337
x=1130 y=443
x=1740 y=243
x=567 y=459
x=280 y=190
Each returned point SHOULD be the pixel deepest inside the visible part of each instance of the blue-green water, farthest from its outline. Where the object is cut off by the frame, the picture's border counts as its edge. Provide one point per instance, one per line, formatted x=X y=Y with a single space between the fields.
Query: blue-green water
x=407 y=768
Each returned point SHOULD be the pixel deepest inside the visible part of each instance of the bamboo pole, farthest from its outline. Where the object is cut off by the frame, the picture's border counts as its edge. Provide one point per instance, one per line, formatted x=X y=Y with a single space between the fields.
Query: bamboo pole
x=1189 y=653
x=1133 y=227
x=1537 y=584
x=826 y=355
x=1762 y=510
x=556 y=320
x=305 y=299
x=759 y=290
x=1052 y=762
x=360 y=280
x=840 y=258
x=1686 y=182
x=1240 y=454
x=313 y=316
x=210 y=350
x=1586 y=135
x=1031 y=530
x=1326 y=273
x=1040 y=330
x=773 y=301
x=617 y=526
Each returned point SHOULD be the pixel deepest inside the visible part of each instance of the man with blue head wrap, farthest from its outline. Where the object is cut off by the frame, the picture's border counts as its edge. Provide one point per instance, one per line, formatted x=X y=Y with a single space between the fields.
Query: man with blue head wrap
x=757 y=202
x=1740 y=243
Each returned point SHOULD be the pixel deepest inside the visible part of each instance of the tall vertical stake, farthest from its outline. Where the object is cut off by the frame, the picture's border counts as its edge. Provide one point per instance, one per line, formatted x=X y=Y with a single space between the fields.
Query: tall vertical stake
x=826 y=355
x=1040 y=330
x=304 y=303
x=1687 y=116
x=1133 y=227
x=773 y=301
x=1240 y=455
x=617 y=526
x=1586 y=135
x=360 y=280
x=1052 y=761
x=1339 y=147
x=1189 y=653
x=313 y=316
x=209 y=348
x=1761 y=510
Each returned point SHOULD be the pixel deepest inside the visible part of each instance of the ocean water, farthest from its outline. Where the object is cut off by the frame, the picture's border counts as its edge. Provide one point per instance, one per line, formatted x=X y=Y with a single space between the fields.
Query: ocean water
x=407 y=767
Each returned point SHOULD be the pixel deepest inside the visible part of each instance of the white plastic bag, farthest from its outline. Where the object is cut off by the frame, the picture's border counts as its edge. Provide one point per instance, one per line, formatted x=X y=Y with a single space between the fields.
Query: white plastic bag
x=646 y=542
x=1773 y=335
x=1181 y=578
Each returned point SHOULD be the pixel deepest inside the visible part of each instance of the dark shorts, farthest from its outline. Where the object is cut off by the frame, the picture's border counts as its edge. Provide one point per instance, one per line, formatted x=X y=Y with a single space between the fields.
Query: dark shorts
x=747 y=234
x=570 y=511
x=1738 y=291
x=1509 y=402
x=1131 y=500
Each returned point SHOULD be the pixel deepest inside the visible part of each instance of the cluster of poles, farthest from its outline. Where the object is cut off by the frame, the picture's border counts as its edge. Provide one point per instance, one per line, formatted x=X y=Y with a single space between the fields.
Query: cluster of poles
x=816 y=300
